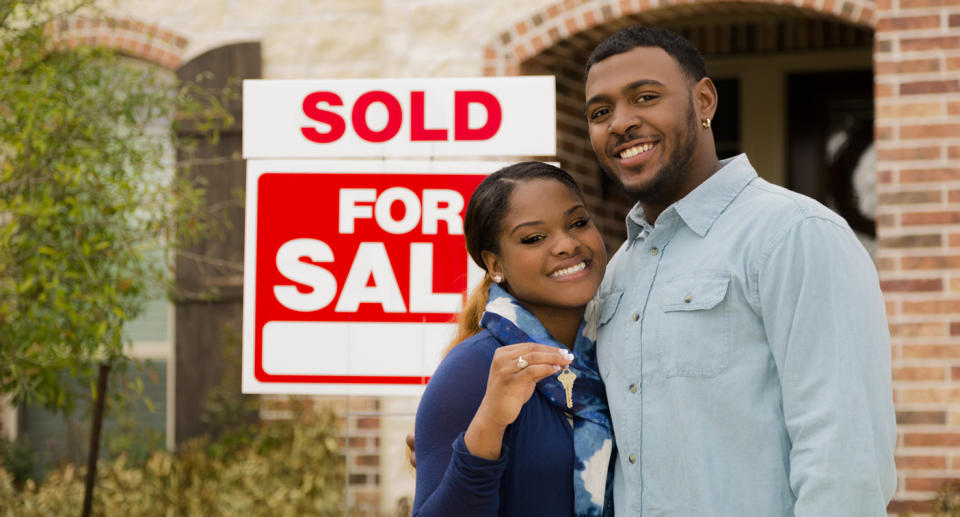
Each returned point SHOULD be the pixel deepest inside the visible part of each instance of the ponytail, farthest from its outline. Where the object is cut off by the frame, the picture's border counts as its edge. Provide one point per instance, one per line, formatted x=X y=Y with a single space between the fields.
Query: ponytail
x=468 y=321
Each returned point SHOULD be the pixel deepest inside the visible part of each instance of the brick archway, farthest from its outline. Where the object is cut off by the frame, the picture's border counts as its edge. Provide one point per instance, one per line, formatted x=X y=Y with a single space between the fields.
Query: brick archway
x=567 y=18
x=556 y=41
x=128 y=36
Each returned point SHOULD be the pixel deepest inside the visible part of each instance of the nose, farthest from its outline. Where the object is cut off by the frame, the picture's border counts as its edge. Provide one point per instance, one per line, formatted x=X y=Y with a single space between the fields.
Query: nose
x=566 y=244
x=623 y=120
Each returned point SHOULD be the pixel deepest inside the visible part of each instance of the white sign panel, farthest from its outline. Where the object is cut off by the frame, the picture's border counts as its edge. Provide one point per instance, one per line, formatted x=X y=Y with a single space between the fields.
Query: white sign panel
x=380 y=118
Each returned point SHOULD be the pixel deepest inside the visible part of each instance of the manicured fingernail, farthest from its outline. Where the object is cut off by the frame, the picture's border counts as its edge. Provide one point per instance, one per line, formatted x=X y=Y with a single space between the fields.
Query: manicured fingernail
x=556 y=368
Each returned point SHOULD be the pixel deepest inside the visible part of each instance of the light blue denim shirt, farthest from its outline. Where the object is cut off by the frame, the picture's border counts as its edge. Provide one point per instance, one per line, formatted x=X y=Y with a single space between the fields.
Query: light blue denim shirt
x=744 y=346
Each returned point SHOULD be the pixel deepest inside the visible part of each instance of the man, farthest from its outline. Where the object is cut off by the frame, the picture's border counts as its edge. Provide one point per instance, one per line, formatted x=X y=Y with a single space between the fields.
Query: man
x=742 y=333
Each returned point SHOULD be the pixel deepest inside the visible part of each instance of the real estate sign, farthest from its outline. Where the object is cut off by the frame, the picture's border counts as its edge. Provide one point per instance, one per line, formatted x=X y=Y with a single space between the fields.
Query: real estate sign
x=355 y=269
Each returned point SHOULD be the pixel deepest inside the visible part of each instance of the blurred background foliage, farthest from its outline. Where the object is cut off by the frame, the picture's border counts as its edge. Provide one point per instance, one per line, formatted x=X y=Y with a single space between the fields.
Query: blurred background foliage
x=94 y=185
x=90 y=187
x=280 y=468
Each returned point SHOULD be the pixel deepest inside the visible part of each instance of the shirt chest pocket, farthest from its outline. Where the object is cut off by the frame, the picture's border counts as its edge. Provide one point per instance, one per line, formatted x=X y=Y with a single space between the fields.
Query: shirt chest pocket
x=694 y=328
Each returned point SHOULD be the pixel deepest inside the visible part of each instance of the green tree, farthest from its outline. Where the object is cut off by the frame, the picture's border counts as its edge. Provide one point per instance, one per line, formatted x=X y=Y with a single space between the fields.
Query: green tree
x=88 y=199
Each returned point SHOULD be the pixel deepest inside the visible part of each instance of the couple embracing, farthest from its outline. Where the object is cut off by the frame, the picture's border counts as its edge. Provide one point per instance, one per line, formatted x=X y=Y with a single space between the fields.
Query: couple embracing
x=731 y=359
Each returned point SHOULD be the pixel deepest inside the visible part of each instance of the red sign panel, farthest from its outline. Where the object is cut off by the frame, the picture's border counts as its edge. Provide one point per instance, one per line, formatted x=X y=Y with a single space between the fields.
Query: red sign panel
x=346 y=263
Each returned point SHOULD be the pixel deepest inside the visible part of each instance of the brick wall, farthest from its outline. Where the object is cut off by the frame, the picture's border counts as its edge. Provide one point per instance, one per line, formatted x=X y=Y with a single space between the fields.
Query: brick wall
x=917 y=59
x=917 y=49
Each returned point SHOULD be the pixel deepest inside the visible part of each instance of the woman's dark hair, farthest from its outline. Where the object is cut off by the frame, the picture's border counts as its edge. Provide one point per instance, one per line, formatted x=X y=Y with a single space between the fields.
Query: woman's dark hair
x=689 y=58
x=484 y=221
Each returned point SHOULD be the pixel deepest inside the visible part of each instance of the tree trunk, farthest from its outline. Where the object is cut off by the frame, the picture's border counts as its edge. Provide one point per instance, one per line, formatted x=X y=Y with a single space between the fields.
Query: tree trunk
x=95 y=428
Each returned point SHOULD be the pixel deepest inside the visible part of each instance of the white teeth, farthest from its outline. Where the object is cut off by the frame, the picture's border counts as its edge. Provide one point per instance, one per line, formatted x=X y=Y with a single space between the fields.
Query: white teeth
x=635 y=150
x=569 y=271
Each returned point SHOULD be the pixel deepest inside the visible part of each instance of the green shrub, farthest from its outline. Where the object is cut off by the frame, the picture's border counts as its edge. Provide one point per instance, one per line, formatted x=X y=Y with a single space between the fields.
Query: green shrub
x=18 y=459
x=288 y=468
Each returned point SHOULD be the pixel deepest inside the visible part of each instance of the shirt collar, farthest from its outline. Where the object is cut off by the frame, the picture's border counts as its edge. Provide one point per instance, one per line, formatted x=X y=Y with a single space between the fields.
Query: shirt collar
x=637 y=225
x=701 y=207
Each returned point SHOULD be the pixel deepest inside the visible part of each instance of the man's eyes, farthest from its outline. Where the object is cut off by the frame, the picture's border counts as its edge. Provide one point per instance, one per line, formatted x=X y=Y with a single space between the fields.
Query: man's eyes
x=597 y=113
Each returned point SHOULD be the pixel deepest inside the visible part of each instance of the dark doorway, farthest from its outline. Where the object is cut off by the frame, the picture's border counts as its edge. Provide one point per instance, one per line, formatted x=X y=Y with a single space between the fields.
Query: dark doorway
x=726 y=121
x=830 y=121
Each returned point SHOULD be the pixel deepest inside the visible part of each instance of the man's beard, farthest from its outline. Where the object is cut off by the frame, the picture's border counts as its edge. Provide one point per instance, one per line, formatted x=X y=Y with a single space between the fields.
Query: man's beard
x=671 y=175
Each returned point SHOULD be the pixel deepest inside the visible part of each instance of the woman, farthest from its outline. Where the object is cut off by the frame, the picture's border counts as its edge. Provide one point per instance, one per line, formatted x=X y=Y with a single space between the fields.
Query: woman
x=497 y=432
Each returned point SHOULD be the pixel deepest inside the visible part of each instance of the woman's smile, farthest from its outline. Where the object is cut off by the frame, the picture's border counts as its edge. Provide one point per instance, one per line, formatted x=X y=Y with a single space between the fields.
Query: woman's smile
x=567 y=272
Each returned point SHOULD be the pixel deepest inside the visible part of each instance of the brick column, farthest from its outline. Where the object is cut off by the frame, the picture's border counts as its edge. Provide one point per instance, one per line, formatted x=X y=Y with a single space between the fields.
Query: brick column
x=917 y=58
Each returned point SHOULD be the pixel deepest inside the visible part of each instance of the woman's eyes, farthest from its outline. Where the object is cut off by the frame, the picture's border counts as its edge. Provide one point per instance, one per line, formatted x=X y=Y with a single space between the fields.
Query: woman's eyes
x=576 y=224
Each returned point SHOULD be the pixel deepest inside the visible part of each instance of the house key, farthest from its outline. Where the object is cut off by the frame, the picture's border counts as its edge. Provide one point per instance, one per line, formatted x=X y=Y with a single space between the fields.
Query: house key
x=566 y=378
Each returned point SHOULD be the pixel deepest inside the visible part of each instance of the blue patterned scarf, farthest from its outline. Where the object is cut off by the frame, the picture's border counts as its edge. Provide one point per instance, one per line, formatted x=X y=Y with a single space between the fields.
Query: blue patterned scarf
x=593 y=445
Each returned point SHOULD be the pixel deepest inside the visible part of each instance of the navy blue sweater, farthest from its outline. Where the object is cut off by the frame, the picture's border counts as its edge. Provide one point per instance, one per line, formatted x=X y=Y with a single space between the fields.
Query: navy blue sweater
x=534 y=475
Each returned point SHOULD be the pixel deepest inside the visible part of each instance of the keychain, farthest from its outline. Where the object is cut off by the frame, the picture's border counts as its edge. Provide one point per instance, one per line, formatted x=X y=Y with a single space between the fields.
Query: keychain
x=566 y=378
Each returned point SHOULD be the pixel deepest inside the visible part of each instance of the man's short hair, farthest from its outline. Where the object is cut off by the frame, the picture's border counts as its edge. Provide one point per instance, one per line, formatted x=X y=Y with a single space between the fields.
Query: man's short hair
x=689 y=58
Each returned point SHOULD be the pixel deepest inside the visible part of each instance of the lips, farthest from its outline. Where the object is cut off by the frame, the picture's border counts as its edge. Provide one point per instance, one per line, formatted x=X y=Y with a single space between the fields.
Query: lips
x=634 y=149
x=630 y=152
x=566 y=269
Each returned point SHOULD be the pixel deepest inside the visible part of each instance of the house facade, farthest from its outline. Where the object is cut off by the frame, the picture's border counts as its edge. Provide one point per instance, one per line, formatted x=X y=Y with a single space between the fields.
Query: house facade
x=853 y=102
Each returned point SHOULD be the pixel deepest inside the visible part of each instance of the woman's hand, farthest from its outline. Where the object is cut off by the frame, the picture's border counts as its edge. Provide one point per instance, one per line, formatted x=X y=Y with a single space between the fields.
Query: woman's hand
x=509 y=386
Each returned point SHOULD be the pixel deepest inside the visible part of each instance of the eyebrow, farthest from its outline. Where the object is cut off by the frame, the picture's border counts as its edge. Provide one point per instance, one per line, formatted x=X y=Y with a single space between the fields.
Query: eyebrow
x=534 y=223
x=632 y=86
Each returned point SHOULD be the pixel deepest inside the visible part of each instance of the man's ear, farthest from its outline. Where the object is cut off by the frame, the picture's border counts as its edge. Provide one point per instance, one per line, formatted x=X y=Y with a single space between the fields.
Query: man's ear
x=492 y=262
x=705 y=98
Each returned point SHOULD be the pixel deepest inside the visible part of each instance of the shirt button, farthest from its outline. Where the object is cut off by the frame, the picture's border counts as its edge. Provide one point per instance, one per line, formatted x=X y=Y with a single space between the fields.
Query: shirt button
x=654 y=251
x=632 y=458
x=635 y=316
x=688 y=298
x=633 y=388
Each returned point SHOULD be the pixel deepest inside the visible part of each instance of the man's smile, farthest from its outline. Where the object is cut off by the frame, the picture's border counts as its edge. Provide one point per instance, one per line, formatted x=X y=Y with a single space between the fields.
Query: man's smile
x=634 y=152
